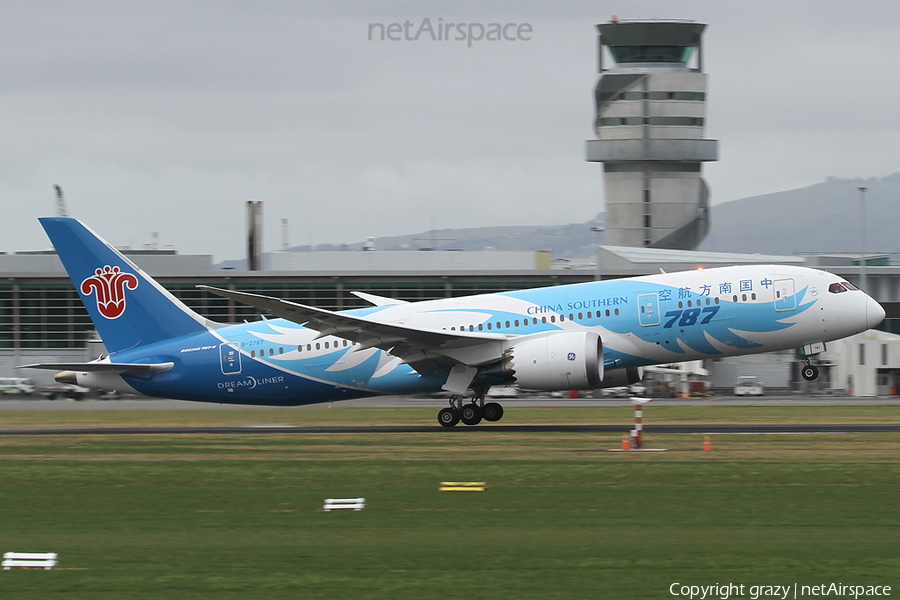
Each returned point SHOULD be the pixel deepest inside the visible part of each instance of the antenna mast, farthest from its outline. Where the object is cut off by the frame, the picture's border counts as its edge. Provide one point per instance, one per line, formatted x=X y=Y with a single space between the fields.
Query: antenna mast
x=60 y=203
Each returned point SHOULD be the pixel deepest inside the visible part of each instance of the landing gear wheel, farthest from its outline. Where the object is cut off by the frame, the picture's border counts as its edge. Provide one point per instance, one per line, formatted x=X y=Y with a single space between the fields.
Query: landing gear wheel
x=492 y=412
x=809 y=372
x=470 y=414
x=448 y=417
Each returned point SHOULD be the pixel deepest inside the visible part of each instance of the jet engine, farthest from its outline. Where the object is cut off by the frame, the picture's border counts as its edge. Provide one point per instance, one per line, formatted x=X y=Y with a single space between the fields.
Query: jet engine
x=621 y=377
x=559 y=361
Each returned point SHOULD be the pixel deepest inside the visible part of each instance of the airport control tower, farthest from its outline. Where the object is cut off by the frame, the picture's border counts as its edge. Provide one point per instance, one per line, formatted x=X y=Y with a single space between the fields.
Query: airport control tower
x=650 y=109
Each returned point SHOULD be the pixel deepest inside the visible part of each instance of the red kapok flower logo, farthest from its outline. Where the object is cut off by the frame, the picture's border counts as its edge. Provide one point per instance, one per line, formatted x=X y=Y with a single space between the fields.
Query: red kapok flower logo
x=109 y=283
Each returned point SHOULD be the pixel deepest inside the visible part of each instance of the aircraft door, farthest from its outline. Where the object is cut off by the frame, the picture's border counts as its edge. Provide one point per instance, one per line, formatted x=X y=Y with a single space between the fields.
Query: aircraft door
x=785 y=300
x=230 y=357
x=648 y=305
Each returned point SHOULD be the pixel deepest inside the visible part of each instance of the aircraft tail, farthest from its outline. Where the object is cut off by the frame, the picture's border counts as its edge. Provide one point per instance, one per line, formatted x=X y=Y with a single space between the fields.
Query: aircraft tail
x=127 y=306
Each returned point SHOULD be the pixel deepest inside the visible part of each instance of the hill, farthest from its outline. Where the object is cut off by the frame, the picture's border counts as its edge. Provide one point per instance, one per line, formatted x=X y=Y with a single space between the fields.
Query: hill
x=821 y=218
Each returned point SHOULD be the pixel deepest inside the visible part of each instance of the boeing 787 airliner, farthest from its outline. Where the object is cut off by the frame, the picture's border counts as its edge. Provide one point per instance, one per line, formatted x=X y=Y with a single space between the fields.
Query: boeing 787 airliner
x=572 y=337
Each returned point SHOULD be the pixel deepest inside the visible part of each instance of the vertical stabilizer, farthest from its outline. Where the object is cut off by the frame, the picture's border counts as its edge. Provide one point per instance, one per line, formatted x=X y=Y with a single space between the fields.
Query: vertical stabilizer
x=127 y=306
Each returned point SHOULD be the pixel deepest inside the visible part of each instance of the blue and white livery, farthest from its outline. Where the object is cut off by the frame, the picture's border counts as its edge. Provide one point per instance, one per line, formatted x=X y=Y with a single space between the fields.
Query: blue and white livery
x=582 y=336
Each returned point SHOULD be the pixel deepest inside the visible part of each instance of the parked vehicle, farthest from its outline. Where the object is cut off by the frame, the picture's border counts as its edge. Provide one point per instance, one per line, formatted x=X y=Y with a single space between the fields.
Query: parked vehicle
x=16 y=385
x=625 y=391
x=748 y=386
x=60 y=391
x=503 y=392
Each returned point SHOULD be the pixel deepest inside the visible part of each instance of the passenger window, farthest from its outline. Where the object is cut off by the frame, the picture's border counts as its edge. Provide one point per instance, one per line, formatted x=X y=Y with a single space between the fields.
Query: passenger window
x=680 y=304
x=300 y=348
x=489 y=326
x=281 y=351
x=517 y=322
x=507 y=324
x=617 y=312
x=534 y=321
x=543 y=319
x=744 y=297
x=326 y=345
x=318 y=346
x=717 y=299
x=607 y=312
x=480 y=327
x=553 y=318
x=735 y=297
x=253 y=354
x=753 y=296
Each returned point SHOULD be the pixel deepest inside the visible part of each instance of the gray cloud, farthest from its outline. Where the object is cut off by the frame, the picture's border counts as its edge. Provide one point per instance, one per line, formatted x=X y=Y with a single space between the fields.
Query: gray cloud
x=166 y=116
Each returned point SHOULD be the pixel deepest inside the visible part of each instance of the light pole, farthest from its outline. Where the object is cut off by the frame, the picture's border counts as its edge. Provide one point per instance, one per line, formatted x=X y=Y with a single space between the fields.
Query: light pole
x=862 y=204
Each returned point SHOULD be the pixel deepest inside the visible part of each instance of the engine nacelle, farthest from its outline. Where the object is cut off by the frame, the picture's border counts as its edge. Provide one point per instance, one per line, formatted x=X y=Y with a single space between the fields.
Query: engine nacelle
x=559 y=361
x=622 y=377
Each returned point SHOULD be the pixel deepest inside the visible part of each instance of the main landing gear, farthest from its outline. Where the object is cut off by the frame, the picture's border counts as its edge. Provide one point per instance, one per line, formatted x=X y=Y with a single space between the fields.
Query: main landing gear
x=472 y=413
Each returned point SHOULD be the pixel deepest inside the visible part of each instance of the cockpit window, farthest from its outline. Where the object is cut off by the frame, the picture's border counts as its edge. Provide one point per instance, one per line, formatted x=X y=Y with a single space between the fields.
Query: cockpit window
x=836 y=288
x=850 y=286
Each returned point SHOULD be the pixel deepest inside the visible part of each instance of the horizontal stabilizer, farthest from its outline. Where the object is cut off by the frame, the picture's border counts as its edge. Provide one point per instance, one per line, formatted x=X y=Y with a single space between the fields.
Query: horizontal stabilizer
x=106 y=367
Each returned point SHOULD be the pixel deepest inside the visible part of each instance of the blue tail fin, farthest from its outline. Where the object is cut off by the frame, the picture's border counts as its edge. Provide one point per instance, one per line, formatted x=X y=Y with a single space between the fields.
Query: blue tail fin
x=127 y=306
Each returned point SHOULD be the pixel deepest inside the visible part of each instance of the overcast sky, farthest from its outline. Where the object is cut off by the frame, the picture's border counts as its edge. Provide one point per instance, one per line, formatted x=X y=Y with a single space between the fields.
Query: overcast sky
x=166 y=116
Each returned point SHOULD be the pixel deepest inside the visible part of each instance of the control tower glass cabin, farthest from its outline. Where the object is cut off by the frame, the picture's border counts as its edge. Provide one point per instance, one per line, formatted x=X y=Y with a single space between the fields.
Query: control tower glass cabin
x=649 y=122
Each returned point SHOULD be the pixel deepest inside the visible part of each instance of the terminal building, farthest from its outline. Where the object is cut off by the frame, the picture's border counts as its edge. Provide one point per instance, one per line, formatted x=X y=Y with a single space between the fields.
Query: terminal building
x=42 y=318
x=650 y=107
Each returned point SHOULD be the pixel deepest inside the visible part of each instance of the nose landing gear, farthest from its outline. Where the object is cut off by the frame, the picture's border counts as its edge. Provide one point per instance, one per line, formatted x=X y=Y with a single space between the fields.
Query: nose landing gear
x=809 y=372
x=472 y=413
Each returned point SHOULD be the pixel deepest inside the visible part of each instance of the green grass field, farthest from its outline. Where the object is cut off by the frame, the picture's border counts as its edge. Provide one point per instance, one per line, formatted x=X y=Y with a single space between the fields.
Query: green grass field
x=240 y=516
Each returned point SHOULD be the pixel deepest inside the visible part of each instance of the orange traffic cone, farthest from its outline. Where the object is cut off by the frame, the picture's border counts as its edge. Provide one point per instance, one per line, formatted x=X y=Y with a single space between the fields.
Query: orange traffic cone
x=626 y=442
x=707 y=442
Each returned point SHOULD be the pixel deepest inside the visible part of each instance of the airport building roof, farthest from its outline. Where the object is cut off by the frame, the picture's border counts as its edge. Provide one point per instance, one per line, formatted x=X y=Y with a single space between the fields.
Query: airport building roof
x=622 y=260
x=318 y=262
x=155 y=262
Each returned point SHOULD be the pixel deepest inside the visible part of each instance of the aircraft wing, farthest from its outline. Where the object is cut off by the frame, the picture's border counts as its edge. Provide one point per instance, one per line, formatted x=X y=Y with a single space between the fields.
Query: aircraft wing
x=425 y=350
x=108 y=367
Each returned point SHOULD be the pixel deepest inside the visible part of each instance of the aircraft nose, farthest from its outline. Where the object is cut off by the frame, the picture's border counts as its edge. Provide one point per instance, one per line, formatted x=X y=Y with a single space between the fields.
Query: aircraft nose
x=874 y=312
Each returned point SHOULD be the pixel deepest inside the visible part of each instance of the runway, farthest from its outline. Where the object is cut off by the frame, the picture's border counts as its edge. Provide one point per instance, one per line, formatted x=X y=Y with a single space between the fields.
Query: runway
x=751 y=428
x=158 y=404
x=437 y=403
